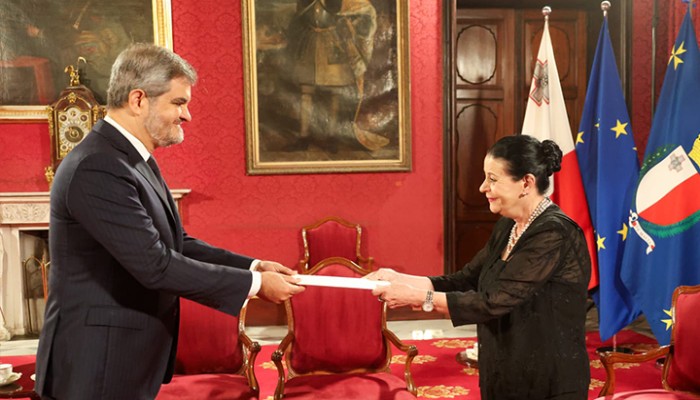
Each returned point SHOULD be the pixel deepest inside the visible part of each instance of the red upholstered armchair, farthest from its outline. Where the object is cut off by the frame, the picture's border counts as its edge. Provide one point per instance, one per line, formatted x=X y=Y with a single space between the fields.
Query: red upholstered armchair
x=681 y=370
x=338 y=345
x=215 y=357
x=332 y=237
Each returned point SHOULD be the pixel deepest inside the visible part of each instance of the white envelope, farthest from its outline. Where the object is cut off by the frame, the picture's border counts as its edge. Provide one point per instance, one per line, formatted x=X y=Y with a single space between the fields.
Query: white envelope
x=339 y=282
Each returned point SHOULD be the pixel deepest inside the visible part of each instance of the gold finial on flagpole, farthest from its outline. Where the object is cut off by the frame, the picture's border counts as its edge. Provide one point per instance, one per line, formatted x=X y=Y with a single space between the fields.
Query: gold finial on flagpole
x=546 y=10
x=690 y=7
x=605 y=6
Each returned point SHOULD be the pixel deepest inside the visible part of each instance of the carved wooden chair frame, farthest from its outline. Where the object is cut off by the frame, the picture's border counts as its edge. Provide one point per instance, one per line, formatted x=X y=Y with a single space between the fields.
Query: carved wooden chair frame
x=281 y=355
x=364 y=261
x=610 y=358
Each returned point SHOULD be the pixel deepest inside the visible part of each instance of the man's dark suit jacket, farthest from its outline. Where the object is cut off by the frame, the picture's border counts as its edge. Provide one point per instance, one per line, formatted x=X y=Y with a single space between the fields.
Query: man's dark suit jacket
x=120 y=260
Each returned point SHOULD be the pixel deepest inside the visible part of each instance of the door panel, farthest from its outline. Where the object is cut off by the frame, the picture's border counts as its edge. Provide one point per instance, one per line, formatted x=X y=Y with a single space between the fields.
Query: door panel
x=474 y=121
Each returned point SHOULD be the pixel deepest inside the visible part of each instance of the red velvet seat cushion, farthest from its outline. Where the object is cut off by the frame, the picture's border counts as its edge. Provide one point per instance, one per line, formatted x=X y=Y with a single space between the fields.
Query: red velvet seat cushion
x=208 y=341
x=346 y=387
x=336 y=330
x=684 y=371
x=650 y=394
x=331 y=239
x=207 y=386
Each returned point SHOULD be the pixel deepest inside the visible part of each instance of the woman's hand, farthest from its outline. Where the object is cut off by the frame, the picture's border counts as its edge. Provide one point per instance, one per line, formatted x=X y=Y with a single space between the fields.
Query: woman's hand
x=400 y=295
x=389 y=275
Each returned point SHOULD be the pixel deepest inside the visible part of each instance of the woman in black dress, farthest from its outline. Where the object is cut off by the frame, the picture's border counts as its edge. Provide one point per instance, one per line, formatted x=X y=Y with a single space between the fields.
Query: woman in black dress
x=526 y=289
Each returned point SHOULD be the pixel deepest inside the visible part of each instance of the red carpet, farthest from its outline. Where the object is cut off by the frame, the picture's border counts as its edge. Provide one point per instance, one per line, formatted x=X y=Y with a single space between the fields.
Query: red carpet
x=438 y=376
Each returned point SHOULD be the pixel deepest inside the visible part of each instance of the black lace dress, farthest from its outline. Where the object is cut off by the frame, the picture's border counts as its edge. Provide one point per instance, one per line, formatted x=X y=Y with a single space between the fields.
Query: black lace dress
x=530 y=310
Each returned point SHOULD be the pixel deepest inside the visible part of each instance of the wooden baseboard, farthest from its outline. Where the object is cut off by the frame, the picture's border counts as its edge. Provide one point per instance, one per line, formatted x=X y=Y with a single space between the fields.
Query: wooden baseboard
x=261 y=313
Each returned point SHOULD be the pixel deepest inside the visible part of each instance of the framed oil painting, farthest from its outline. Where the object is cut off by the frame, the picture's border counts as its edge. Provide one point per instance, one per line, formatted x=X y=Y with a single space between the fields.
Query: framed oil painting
x=39 y=38
x=326 y=86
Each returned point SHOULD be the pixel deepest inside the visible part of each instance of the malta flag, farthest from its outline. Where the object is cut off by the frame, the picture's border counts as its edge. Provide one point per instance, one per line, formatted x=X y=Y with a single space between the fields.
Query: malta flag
x=546 y=118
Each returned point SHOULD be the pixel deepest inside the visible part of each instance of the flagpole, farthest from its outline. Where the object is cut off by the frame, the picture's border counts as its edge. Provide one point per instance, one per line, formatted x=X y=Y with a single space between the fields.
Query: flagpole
x=605 y=6
x=546 y=10
x=690 y=8
x=654 y=22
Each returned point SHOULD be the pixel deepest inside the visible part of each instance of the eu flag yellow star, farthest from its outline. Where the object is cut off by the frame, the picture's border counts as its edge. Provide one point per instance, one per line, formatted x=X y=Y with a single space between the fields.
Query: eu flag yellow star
x=619 y=129
x=579 y=137
x=601 y=243
x=674 y=55
x=669 y=321
x=623 y=232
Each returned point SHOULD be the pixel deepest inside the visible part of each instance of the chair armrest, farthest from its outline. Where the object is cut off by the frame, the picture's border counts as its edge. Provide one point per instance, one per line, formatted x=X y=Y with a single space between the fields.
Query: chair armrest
x=411 y=351
x=367 y=262
x=610 y=358
x=301 y=265
x=277 y=356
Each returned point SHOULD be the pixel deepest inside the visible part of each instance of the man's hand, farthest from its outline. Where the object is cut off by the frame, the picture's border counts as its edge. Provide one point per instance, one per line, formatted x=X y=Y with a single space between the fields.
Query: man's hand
x=277 y=287
x=274 y=267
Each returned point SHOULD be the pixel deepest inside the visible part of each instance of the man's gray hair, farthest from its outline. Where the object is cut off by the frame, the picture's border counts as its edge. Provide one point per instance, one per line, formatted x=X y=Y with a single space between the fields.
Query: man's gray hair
x=147 y=67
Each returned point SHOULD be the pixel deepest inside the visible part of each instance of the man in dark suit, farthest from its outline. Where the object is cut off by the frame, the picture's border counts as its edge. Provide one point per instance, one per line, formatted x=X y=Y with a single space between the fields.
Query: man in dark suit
x=120 y=259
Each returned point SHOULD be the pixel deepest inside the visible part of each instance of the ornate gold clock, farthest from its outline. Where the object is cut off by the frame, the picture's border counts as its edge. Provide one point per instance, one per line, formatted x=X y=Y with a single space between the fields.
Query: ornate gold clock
x=71 y=118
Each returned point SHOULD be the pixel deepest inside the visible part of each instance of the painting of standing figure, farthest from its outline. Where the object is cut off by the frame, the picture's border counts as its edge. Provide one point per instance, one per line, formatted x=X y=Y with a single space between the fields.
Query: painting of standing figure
x=326 y=86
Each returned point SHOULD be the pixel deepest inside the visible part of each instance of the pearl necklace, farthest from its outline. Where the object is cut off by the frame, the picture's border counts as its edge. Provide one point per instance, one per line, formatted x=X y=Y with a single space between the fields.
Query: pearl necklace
x=513 y=237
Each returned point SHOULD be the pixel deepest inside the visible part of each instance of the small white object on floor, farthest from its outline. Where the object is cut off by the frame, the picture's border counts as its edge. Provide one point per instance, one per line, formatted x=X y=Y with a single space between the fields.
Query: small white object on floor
x=4 y=334
x=12 y=378
x=473 y=352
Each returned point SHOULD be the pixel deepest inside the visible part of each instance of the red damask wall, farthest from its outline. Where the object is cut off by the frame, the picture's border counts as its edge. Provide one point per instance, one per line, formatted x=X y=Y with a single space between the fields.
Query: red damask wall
x=261 y=215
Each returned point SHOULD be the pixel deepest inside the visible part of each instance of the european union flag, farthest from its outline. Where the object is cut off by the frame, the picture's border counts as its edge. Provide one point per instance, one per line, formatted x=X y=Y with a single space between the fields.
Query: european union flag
x=663 y=244
x=609 y=168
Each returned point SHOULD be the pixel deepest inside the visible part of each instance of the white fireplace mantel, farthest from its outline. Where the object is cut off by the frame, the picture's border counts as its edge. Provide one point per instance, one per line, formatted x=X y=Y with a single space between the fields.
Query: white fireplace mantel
x=26 y=211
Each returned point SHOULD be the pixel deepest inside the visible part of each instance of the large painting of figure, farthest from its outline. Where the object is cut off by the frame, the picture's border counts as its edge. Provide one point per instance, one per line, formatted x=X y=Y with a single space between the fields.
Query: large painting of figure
x=326 y=85
x=40 y=38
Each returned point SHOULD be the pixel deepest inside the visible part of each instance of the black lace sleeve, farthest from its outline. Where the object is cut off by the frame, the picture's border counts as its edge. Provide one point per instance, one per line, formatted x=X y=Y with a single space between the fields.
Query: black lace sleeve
x=552 y=250
x=467 y=278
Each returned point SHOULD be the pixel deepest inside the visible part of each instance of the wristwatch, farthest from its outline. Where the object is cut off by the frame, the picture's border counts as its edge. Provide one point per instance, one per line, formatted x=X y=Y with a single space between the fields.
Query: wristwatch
x=428 y=303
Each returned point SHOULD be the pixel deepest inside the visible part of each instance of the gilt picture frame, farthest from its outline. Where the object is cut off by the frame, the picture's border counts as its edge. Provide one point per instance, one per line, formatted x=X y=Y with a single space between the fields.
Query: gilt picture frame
x=42 y=37
x=326 y=86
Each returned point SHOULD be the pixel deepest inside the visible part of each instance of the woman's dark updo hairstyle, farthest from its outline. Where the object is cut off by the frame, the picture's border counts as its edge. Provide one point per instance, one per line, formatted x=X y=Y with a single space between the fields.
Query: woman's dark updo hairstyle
x=525 y=154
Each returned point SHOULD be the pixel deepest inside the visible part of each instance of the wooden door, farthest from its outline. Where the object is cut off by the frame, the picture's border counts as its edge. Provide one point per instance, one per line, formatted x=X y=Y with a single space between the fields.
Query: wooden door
x=484 y=100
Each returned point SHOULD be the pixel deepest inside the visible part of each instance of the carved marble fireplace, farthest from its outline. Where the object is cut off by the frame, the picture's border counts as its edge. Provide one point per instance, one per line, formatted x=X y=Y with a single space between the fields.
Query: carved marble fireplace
x=24 y=223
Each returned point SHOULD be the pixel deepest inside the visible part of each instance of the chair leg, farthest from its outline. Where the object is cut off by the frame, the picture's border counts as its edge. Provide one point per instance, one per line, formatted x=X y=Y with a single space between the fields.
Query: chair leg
x=408 y=376
x=277 y=359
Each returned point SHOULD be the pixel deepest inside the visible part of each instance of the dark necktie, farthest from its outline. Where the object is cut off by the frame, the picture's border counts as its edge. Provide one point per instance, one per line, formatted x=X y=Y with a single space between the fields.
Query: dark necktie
x=154 y=166
x=165 y=193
